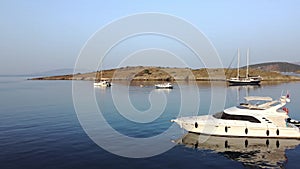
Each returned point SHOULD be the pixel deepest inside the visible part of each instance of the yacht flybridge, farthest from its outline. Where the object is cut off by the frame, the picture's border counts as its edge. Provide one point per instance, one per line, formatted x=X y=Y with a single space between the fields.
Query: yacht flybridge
x=267 y=118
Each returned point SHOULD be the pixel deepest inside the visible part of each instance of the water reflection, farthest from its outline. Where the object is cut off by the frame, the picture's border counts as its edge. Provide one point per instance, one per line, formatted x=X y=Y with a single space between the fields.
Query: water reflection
x=251 y=152
x=163 y=90
x=247 y=87
x=275 y=83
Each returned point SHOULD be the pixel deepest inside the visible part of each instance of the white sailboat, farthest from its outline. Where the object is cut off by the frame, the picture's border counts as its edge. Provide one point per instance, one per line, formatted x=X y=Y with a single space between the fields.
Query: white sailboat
x=103 y=83
x=248 y=80
x=100 y=82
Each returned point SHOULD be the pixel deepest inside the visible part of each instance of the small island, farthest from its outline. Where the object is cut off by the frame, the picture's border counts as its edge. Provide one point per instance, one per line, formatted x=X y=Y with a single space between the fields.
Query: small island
x=268 y=72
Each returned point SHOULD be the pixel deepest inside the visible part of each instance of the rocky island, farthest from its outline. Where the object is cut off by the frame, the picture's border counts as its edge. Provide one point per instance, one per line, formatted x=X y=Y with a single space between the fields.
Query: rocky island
x=141 y=73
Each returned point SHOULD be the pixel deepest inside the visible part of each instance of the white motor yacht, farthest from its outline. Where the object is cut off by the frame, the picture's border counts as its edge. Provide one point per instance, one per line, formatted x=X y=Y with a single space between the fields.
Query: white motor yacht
x=269 y=119
x=164 y=86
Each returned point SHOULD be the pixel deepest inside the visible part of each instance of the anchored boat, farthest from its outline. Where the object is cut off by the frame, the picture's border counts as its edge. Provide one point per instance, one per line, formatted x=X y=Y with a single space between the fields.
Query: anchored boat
x=103 y=83
x=164 y=86
x=248 y=80
x=99 y=82
x=260 y=117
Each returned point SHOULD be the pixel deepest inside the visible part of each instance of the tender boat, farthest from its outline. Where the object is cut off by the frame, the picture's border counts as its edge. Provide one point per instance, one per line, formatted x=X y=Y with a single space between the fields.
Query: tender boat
x=266 y=118
x=164 y=86
x=248 y=80
x=102 y=83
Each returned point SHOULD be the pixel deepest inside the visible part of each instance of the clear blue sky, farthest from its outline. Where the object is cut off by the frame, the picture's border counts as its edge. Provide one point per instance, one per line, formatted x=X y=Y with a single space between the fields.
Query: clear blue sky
x=45 y=35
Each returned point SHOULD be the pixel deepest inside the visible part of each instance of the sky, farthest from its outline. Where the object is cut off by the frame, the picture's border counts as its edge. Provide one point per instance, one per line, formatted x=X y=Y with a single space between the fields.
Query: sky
x=39 y=36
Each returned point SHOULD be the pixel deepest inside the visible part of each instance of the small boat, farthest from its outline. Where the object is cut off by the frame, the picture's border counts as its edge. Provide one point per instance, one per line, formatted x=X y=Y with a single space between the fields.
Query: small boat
x=248 y=80
x=259 y=117
x=102 y=83
x=164 y=86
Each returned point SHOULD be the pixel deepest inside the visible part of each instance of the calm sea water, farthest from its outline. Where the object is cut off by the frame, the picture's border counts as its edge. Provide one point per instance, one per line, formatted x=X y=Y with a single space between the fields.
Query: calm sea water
x=39 y=128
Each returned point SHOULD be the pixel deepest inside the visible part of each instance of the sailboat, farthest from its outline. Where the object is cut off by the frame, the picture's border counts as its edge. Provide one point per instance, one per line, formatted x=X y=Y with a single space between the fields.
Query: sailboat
x=248 y=80
x=100 y=82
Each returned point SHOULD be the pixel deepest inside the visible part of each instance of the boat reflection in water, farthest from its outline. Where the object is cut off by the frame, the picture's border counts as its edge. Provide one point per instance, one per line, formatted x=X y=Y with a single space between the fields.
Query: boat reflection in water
x=252 y=152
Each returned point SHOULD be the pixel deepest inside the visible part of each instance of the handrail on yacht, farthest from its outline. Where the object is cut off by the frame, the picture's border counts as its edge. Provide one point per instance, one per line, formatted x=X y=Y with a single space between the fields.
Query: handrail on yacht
x=258 y=98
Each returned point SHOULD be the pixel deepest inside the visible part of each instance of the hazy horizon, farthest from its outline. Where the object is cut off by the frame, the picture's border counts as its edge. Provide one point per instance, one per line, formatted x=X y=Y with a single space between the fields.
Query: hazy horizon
x=39 y=36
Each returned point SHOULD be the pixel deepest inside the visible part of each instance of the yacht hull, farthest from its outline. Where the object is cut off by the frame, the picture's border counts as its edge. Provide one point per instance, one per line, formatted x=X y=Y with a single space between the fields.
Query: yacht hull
x=102 y=84
x=234 y=129
x=170 y=87
x=237 y=82
x=164 y=86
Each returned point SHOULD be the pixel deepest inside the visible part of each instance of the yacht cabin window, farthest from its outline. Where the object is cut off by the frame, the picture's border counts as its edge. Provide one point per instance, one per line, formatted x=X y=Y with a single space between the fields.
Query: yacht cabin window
x=225 y=116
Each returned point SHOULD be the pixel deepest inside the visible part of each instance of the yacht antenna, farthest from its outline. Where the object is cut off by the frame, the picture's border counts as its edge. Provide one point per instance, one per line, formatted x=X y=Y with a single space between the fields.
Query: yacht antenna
x=238 y=65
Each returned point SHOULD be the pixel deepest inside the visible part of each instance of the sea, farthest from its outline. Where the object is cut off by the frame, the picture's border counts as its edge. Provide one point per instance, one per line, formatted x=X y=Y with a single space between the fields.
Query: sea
x=73 y=125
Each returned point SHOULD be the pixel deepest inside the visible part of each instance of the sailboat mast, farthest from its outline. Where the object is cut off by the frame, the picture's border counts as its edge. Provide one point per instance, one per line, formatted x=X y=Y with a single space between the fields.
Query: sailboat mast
x=247 y=74
x=238 y=65
x=101 y=70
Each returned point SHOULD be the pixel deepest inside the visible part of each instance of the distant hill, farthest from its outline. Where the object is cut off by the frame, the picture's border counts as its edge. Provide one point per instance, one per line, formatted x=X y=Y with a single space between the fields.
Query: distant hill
x=57 y=72
x=141 y=73
x=276 y=67
x=297 y=63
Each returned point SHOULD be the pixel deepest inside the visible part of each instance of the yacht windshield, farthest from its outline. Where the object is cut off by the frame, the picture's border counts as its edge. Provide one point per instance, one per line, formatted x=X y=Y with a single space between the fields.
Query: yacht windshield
x=225 y=116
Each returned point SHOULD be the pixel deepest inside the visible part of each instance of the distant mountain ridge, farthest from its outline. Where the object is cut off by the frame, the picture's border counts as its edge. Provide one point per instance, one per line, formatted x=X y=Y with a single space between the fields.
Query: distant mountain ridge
x=276 y=67
x=297 y=63
x=57 y=72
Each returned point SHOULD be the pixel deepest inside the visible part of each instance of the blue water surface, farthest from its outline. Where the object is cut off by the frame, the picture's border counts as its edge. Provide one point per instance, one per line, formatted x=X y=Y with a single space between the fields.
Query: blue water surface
x=39 y=127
